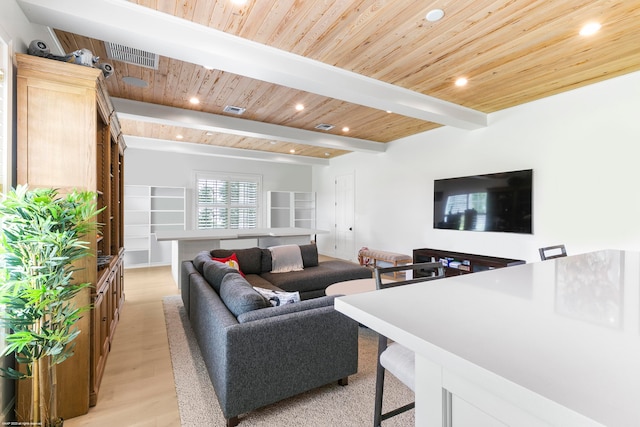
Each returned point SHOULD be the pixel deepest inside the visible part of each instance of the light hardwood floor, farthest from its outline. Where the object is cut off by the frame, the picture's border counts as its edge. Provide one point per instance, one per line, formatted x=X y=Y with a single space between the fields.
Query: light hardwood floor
x=138 y=387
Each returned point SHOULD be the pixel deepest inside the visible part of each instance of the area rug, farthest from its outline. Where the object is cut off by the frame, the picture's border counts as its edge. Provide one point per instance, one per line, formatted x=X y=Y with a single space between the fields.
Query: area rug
x=328 y=406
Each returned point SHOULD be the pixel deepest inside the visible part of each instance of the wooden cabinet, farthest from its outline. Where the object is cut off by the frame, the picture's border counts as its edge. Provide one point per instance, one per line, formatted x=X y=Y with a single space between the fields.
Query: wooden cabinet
x=69 y=138
x=457 y=263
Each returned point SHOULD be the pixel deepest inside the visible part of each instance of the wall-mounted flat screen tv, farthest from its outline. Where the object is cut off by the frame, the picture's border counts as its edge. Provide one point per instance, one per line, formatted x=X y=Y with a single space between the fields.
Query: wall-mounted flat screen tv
x=499 y=202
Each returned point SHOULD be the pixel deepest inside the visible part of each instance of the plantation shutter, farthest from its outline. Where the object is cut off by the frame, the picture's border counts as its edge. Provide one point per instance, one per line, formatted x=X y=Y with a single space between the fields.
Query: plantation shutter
x=227 y=202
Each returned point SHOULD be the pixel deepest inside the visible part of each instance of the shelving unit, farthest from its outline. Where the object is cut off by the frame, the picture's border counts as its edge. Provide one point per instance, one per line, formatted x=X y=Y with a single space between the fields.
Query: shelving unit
x=137 y=204
x=167 y=214
x=291 y=209
x=304 y=210
x=68 y=137
x=149 y=209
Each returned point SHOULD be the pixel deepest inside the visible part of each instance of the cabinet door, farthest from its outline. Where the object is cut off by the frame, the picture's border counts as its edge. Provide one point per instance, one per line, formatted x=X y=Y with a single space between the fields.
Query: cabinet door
x=99 y=338
x=112 y=292
x=467 y=415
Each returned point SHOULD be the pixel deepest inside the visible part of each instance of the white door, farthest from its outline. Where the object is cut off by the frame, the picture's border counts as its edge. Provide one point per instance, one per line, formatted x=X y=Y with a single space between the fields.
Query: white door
x=345 y=208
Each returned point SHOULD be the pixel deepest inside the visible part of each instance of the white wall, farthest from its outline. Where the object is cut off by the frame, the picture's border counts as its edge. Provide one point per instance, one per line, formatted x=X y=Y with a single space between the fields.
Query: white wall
x=584 y=149
x=146 y=167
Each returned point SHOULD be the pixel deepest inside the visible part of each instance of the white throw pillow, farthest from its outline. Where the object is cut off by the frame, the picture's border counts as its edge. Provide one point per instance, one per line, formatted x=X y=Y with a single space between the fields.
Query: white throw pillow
x=277 y=298
x=286 y=258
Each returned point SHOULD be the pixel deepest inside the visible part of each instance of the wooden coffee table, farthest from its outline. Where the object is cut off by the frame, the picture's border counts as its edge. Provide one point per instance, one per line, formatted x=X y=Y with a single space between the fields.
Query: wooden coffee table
x=351 y=287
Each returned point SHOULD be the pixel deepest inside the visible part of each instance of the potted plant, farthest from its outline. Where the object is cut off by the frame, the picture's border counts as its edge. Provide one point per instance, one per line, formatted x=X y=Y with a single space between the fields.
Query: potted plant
x=41 y=236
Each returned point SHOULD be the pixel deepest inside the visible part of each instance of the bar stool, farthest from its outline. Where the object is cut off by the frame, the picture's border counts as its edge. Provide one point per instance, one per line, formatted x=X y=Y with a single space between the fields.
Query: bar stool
x=393 y=357
x=551 y=252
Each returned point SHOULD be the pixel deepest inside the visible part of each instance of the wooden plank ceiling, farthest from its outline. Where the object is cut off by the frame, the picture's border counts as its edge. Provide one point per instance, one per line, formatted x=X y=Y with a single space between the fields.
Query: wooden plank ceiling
x=511 y=52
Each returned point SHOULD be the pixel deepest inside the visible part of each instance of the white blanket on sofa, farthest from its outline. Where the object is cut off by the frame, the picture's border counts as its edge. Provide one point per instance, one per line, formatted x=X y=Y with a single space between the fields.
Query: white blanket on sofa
x=285 y=258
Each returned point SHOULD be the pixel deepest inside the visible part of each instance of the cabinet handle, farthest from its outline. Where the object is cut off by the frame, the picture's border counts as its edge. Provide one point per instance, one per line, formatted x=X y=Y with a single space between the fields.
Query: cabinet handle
x=104 y=319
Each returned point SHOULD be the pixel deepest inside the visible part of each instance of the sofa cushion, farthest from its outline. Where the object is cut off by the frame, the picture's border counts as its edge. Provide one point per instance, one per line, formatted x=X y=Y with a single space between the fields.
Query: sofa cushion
x=318 y=278
x=266 y=260
x=239 y=296
x=260 y=282
x=286 y=258
x=309 y=255
x=214 y=272
x=324 y=301
x=200 y=259
x=231 y=261
x=250 y=259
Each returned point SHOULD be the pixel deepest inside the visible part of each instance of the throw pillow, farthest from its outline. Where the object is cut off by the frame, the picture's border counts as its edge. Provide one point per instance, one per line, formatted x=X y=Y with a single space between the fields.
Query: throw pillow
x=309 y=255
x=286 y=258
x=231 y=261
x=277 y=298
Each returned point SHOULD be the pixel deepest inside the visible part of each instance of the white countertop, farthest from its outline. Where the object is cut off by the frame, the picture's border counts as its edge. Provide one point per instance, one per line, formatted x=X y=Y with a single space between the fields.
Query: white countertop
x=567 y=329
x=227 y=234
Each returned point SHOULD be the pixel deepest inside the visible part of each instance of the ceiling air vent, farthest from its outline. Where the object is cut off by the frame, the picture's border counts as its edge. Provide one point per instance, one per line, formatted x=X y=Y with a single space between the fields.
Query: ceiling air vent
x=234 y=110
x=325 y=126
x=131 y=55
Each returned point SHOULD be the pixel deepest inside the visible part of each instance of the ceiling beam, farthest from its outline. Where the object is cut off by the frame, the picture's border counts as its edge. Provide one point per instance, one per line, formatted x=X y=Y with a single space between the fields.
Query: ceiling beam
x=147 y=29
x=172 y=116
x=212 y=150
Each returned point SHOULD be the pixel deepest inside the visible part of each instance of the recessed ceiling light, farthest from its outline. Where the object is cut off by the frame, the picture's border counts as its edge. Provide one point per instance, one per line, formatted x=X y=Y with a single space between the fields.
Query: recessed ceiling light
x=179 y=136
x=461 y=81
x=208 y=67
x=292 y=151
x=435 y=15
x=327 y=154
x=272 y=142
x=209 y=133
x=590 y=29
x=345 y=129
x=299 y=107
x=194 y=101
x=389 y=111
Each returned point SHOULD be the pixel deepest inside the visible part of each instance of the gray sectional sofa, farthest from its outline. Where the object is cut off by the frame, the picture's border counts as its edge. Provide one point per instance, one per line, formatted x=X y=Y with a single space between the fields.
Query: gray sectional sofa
x=255 y=353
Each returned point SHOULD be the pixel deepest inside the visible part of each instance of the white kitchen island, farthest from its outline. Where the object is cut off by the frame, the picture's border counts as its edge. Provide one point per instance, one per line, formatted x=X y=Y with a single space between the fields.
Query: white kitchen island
x=187 y=243
x=553 y=343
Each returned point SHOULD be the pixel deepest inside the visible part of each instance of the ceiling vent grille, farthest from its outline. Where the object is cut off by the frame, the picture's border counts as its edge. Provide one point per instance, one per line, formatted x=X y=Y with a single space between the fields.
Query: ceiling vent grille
x=234 y=110
x=131 y=55
x=325 y=126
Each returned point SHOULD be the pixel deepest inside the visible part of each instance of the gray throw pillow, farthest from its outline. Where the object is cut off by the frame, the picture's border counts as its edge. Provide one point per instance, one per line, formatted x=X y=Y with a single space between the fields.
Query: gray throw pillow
x=238 y=295
x=266 y=261
x=309 y=255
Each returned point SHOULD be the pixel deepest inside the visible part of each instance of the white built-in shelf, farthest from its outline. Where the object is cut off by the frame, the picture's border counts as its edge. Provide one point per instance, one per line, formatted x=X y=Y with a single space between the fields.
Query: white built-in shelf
x=291 y=209
x=148 y=209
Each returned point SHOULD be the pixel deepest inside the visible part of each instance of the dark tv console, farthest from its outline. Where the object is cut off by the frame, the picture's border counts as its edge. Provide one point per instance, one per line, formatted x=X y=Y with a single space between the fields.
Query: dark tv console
x=457 y=263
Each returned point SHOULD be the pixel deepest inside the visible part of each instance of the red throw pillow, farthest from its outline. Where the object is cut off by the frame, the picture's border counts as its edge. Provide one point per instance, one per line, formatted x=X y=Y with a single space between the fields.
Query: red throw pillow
x=231 y=261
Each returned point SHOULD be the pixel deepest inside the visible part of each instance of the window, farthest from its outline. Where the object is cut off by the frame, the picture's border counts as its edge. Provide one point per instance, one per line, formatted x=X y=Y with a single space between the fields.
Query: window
x=467 y=211
x=227 y=201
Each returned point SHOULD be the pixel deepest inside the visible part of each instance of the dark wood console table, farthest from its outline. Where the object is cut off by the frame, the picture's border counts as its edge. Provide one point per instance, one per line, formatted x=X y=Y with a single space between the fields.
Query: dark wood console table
x=457 y=263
